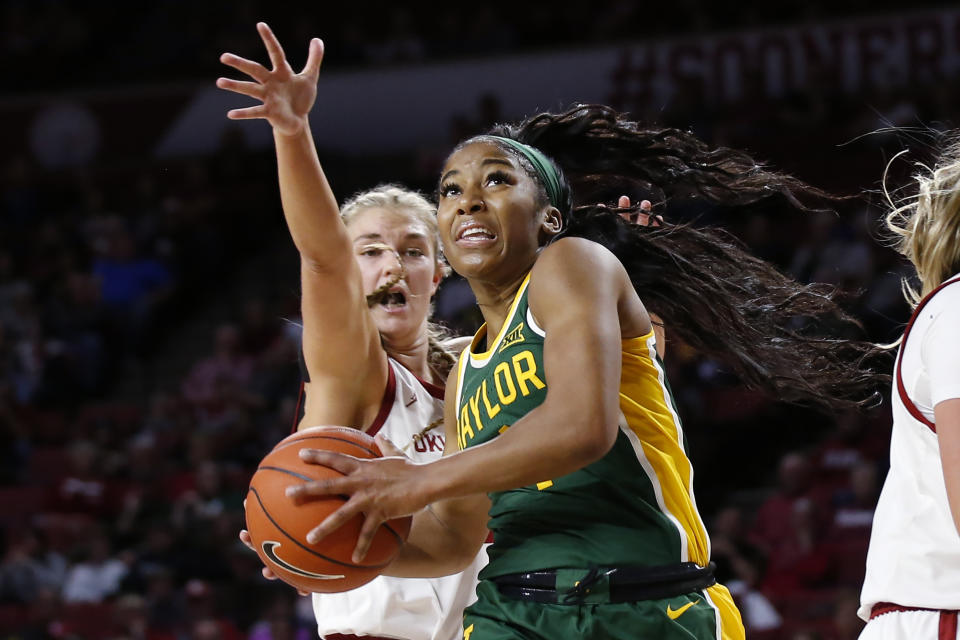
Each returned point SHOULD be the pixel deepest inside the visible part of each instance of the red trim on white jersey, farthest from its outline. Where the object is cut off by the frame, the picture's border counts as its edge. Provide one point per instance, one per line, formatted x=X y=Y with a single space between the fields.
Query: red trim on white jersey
x=298 y=414
x=434 y=390
x=385 y=405
x=901 y=389
x=948 y=625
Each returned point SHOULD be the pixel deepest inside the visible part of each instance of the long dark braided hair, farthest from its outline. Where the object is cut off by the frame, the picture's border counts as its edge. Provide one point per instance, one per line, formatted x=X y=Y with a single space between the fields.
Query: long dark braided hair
x=778 y=335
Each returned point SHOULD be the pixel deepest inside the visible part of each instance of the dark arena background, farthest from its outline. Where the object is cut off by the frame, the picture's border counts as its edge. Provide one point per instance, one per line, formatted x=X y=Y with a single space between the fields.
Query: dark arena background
x=149 y=292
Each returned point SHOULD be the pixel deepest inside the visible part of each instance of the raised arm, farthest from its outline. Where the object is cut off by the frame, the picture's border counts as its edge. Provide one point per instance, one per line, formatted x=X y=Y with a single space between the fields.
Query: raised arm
x=341 y=342
x=286 y=99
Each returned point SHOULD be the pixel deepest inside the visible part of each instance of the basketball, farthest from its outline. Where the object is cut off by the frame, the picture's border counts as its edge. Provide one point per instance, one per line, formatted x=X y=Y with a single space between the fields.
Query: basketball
x=278 y=527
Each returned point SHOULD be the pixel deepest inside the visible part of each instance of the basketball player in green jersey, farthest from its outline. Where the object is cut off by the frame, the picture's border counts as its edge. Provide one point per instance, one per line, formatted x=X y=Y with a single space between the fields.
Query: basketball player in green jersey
x=570 y=448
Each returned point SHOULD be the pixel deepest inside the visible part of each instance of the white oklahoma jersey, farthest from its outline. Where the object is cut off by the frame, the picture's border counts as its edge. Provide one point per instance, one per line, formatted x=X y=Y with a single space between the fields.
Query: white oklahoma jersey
x=407 y=608
x=914 y=556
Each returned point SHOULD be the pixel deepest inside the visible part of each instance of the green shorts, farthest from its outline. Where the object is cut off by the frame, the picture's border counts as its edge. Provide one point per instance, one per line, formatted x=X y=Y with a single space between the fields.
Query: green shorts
x=708 y=615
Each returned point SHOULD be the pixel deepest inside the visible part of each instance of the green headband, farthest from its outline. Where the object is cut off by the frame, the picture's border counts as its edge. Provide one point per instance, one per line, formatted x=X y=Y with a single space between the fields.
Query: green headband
x=541 y=164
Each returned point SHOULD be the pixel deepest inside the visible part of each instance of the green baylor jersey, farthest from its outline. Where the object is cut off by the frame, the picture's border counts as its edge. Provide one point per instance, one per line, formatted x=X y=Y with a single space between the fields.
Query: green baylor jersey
x=635 y=506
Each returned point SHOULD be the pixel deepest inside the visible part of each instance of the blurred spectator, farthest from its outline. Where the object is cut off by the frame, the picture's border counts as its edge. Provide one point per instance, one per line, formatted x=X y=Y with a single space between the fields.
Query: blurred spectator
x=210 y=498
x=44 y=620
x=11 y=285
x=736 y=557
x=258 y=329
x=227 y=364
x=203 y=617
x=155 y=558
x=22 y=347
x=164 y=414
x=854 y=505
x=29 y=567
x=401 y=43
x=191 y=215
x=846 y=624
x=98 y=575
x=83 y=488
x=206 y=629
x=20 y=199
x=14 y=436
x=129 y=283
x=836 y=253
x=132 y=286
x=850 y=442
x=166 y=606
x=279 y=622
x=740 y=566
x=775 y=519
x=76 y=322
x=144 y=502
x=801 y=559
x=246 y=594
x=131 y=622
x=207 y=518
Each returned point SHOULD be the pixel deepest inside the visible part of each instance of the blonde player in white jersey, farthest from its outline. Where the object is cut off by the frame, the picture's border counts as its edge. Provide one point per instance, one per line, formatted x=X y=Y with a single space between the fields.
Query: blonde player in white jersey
x=912 y=585
x=372 y=358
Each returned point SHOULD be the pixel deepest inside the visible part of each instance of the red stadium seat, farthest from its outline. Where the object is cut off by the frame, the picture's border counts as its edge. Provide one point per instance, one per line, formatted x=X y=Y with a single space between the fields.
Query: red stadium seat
x=17 y=504
x=849 y=558
x=47 y=465
x=733 y=404
x=806 y=604
x=89 y=621
x=63 y=530
x=119 y=414
x=12 y=617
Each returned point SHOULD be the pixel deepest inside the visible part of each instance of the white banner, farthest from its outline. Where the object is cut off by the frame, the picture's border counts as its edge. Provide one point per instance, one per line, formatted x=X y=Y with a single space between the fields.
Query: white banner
x=387 y=111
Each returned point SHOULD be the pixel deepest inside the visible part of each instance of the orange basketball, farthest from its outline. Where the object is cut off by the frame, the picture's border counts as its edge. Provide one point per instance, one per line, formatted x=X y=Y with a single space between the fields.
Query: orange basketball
x=278 y=527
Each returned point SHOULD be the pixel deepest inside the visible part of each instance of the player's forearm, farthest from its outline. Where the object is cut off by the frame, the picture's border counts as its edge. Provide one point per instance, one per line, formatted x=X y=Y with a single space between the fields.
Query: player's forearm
x=309 y=206
x=947 y=417
x=549 y=442
x=433 y=548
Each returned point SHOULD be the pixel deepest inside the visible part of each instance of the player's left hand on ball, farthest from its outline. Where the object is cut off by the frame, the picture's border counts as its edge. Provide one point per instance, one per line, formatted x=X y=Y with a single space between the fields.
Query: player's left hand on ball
x=267 y=573
x=380 y=489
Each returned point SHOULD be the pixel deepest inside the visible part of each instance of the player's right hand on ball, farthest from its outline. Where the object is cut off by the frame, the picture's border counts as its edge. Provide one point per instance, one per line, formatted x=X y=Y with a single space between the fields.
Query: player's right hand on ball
x=379 y=489
x=286 y=97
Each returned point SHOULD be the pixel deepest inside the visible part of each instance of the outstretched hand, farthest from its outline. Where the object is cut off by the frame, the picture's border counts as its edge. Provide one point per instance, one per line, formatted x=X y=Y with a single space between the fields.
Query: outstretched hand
x=286 y=97
x=380 y=489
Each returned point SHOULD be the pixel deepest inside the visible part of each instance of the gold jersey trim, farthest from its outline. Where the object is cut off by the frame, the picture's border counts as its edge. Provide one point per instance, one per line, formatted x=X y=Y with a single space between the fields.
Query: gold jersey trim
x=656 y=434
x=481 y=359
